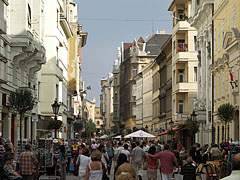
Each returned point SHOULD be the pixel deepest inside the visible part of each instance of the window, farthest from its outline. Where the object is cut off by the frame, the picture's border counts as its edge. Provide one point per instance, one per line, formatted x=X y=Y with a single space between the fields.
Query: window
x=181 y=75
x=134 y=110
x=223 y=84
x=234 y=17
x=219 y=86
x=57 y=17
x=195 y=43
x=219 y=44
x=134 y=90
x=195 y=74
x=29 y=16
x=115 y=95
x=198 y=2
x=57 y=92
x=180 y=106
x=98 y=123
x=174 y=80
x=181 y=14
x=134 y=72
x=71 y=16
x=174 y=107
x=174 y=47
x=57 y=60
x=215 y=92
x=215 y=43
x=228 y=24
x=223 y=27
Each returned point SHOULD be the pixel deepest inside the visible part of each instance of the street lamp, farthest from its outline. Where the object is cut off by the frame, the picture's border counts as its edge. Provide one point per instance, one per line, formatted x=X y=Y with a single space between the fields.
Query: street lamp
x=55 y=107
x=193 y=118
x=171 y=124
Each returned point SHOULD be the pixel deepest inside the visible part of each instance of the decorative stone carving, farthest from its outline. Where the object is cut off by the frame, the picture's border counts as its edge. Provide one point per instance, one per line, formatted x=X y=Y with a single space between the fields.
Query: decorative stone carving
x=199 y=104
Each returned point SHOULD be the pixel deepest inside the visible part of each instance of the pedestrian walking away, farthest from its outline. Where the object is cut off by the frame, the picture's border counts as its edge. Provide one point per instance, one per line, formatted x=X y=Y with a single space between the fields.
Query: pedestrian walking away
x=137 y=159
x=28 y=163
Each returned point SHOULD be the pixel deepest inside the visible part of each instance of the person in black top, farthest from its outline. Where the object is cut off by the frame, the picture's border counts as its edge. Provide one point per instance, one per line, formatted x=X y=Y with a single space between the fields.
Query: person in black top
x=192 y=152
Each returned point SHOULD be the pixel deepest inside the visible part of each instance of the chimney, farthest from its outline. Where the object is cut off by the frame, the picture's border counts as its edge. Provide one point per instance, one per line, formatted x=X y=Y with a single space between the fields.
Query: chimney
x=162 y=31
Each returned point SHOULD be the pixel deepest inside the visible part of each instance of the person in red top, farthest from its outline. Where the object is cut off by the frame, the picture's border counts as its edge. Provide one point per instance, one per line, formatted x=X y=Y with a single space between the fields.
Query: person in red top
x=152 y=164
x=167 y=159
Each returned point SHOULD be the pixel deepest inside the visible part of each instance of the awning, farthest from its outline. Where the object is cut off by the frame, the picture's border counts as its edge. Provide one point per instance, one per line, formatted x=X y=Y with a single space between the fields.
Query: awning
x=175 y=129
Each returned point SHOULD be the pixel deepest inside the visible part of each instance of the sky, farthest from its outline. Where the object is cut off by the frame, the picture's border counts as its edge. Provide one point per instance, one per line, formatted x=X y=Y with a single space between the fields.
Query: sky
x=111 y=22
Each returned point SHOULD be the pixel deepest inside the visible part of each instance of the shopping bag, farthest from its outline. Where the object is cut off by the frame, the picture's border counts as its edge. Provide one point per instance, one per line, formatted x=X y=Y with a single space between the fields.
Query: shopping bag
x=178 y=176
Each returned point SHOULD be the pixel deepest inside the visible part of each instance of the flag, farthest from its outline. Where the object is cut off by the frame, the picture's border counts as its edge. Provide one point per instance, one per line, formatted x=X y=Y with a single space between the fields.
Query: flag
x=231 y=76
x=89 y=88
x=229 y=162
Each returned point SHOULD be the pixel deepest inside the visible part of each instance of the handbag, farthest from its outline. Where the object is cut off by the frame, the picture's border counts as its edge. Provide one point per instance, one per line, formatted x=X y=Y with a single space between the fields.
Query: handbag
x=145 y=165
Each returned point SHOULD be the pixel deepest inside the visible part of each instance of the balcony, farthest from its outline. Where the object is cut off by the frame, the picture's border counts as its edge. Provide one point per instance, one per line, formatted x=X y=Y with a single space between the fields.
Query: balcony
x=185 y=87
x=181 y=25
x=65 y=26
x=183 y=55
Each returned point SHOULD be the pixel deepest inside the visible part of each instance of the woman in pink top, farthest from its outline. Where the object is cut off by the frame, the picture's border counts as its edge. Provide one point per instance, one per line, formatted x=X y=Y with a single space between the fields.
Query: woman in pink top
x=152 y=164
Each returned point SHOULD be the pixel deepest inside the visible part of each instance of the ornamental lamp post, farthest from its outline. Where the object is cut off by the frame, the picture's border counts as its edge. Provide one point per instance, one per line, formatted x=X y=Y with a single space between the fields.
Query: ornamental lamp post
x=55 y=108
x=171 y=124
x=193 y=118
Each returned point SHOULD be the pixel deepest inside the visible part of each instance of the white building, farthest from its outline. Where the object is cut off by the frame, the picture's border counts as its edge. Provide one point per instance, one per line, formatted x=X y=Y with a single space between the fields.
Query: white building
x=21 y=56
x=201 y=19
x=53 y=78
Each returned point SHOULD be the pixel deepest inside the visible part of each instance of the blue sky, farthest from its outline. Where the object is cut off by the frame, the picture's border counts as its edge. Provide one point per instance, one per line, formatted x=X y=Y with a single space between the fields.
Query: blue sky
x=104 y=36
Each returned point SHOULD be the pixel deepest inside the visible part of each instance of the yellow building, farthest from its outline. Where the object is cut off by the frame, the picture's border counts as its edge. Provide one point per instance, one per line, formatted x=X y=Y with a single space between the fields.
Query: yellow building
x=98 y=119
x=226 y=59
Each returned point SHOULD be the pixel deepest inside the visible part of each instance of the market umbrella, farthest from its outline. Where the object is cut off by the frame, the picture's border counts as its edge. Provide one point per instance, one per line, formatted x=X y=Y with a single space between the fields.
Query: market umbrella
x=140 y=134
x=104 y=136
x=117 y=137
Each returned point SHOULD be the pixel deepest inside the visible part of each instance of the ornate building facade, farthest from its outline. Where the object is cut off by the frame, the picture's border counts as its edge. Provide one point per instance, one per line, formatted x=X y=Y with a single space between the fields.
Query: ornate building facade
x=201 y=19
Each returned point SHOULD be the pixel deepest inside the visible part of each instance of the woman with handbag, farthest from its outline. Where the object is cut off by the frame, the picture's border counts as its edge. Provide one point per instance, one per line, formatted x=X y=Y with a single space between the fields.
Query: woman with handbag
x=152 y=164
x=83 y=160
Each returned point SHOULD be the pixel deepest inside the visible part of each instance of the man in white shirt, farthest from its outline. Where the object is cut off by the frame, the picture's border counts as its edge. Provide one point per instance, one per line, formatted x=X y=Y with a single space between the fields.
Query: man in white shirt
x=137 y=158
x=236 y=169
x=118 y=150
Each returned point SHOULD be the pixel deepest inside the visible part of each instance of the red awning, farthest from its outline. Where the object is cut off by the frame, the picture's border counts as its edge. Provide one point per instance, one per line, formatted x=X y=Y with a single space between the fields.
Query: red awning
x=175 y=129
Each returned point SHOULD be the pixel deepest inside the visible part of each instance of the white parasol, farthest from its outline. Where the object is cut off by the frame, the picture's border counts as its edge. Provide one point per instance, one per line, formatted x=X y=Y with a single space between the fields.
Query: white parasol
x=140 y=134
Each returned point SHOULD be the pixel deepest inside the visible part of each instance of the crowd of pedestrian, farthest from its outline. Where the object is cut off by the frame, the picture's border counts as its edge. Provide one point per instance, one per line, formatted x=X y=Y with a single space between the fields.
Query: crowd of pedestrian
x=128 y=159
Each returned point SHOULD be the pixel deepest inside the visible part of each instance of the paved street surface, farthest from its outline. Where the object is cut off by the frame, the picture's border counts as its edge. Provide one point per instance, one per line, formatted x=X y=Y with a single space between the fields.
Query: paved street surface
x=72 y=177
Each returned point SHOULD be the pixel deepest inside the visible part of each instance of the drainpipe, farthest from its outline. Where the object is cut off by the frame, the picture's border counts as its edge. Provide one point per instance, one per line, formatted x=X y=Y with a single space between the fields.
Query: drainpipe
x=213 y=128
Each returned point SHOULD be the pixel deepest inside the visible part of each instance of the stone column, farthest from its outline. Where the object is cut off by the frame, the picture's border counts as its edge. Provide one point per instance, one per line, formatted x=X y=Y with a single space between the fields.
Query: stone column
x=34 y=127
x=7 y=126
x=17 y=129
x=29 y=128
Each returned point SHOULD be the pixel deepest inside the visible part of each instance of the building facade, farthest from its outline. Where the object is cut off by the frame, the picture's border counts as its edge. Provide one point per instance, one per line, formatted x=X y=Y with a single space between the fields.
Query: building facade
x=98 y=121
x=106 y=103
x=147 y=96
x=225 y=68
x=201 y=19
x=53 y=77
x=135 y=56
x=184 y=63
x=155 y=99
x=116 y=92
x=164 y=61
x=21 y=56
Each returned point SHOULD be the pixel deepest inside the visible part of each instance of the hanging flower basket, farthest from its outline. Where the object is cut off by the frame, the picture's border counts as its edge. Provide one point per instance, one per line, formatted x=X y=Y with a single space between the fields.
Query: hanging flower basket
x=55 y=124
